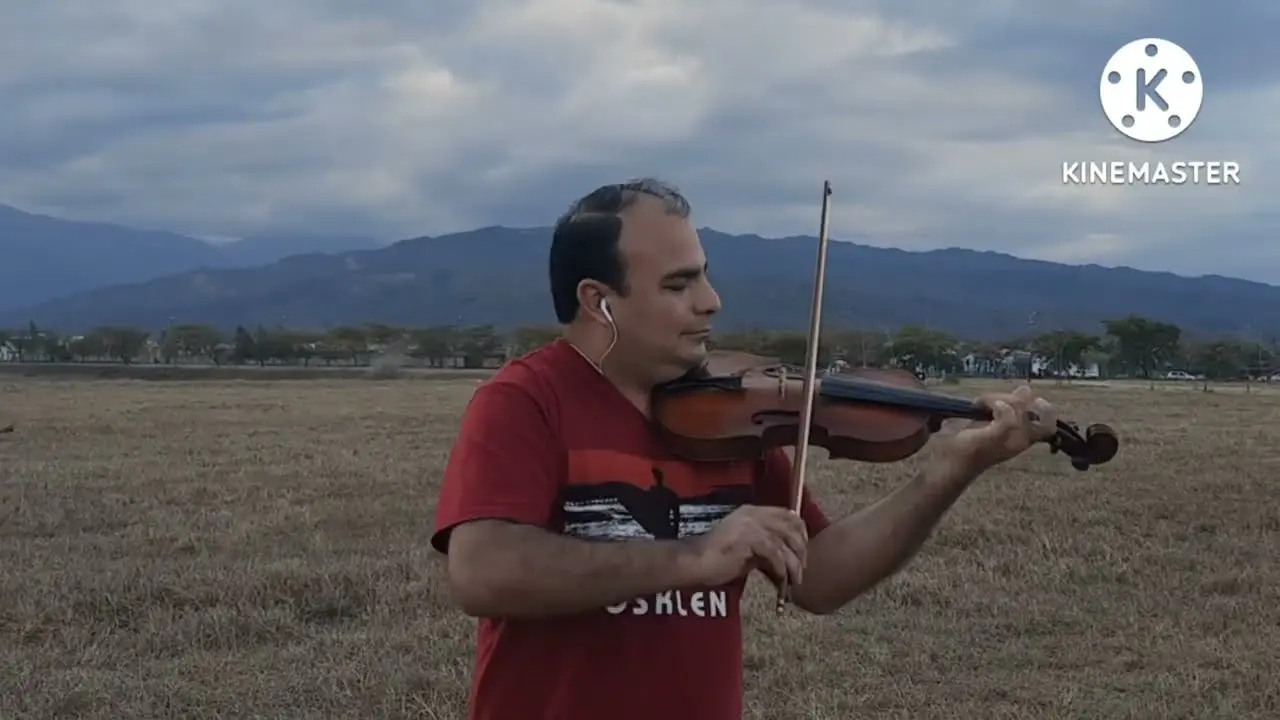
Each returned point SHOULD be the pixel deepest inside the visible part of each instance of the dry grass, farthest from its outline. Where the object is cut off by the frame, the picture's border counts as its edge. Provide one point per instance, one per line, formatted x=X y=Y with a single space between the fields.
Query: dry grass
x=259 y=549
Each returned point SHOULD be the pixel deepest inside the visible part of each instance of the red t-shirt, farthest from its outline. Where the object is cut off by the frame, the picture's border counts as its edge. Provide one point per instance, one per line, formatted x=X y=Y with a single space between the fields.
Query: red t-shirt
x=551 y=442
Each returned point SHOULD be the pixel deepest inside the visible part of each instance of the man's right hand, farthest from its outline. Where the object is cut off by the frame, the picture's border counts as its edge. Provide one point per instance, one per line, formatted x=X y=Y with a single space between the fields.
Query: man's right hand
x=773 y=539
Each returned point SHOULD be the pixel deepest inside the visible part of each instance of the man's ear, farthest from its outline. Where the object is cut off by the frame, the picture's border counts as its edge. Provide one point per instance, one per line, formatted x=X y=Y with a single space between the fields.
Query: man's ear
x=590 y=295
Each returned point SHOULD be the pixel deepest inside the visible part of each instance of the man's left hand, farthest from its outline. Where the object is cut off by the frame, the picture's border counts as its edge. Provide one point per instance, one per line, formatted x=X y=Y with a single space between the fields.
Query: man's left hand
x=1020 y=419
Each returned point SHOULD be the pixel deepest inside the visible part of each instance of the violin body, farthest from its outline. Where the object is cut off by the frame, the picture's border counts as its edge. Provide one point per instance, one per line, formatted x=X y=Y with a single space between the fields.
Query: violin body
x=867 y=414
x=731 y=417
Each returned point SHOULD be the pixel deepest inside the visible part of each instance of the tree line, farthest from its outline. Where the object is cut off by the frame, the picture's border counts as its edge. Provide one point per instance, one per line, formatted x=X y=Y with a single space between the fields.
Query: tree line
x=1131 y=346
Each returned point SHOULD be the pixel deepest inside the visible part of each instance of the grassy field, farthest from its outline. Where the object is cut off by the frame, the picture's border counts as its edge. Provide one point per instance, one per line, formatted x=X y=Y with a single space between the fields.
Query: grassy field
x=259 y=549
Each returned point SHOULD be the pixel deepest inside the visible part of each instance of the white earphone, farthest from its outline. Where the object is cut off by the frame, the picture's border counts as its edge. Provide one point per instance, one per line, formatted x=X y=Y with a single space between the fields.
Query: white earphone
x=613 y=326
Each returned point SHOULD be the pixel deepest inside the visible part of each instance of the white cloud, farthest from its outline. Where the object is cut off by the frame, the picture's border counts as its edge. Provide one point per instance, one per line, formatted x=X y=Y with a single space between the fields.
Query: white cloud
x=403 y=118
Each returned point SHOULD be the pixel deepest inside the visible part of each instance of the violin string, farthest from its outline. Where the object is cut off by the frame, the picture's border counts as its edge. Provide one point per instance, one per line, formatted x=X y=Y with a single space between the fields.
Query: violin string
x=872 y=391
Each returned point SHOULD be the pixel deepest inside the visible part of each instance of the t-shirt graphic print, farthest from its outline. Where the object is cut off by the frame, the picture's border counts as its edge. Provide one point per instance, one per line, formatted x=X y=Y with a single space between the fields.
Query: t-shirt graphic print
x=613 y=495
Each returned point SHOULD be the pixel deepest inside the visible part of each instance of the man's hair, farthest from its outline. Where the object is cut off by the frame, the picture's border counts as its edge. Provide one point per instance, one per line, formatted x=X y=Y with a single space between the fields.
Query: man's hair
x=584 y=244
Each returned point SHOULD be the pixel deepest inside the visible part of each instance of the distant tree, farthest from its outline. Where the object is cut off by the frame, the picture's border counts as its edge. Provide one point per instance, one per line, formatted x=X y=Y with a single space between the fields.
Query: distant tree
x=1219 y=359
x=531 y=337
x=915 y=345
x=1260 y=359
x=383 y=335
x=243 y=349
x=56 y=347
x=753 y=341
x=192 y=340
x=32 y=344
x=261 y=346
x=865 y=348
x=478 y=343
x=353 y=342
x=21 y=345
x=274 y=346
x=1144 y=345
x=1064 y=348
x=305 y=345
x=788 y=347
x=433 y=344
x=122 y=342
x=90 y=346
x=990 y=355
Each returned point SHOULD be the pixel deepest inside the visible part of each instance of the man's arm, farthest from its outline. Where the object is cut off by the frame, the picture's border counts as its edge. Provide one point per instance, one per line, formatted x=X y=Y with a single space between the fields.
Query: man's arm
x=503 y=569
x=497 y=502
x=851 y=556
x=857 y=552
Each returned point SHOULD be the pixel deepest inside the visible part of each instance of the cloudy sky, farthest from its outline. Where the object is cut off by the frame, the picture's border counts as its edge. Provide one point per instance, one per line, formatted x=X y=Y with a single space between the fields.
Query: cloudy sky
x=397 y=118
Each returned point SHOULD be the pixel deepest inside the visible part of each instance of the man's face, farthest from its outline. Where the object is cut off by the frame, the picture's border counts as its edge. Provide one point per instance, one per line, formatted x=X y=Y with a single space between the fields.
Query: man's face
x=666 y=316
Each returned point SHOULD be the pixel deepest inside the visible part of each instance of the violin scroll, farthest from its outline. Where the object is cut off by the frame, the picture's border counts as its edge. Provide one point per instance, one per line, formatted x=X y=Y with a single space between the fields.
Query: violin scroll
x=1098 y=445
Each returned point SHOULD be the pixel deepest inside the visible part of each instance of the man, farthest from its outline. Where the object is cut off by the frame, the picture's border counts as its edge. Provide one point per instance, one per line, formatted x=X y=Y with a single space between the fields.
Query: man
x=607 y=574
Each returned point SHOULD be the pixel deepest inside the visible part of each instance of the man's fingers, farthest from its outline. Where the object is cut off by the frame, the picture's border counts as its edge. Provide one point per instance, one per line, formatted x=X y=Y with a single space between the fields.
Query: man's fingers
x=780 y=541
x=792 y=565
x=1019 y=408
x=781 y=562
x=994 y=401
x=1004 y=415
x=797 y=541
x=1013 y=415
x=769 y=553
x=790 y=529
x=795 y=567
x=781 y=520
x=1047 y=424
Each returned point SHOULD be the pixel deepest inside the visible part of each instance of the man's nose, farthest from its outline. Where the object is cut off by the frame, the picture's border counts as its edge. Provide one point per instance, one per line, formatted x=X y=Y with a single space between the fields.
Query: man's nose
x=709 y=303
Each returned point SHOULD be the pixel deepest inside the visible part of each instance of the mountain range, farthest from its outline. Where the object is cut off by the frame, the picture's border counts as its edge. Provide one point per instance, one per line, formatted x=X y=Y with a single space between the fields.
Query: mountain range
x=44 y=257
x=73 y=276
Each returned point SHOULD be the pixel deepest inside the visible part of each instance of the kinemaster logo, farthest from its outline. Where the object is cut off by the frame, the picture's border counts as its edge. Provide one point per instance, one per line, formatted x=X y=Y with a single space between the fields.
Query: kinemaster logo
x=1151 y=91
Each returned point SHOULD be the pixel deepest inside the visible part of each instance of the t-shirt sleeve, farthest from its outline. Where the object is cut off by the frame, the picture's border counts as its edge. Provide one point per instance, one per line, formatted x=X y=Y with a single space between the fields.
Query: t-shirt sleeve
x=775 y=489
x=505 y=463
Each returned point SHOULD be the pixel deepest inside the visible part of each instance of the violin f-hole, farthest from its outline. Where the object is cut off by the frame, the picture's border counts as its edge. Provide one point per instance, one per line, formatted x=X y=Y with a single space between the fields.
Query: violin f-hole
x=779 y=416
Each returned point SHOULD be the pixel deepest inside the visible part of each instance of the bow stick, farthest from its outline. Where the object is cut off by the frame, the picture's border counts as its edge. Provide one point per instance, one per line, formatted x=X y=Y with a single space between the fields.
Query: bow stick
x=800 y=461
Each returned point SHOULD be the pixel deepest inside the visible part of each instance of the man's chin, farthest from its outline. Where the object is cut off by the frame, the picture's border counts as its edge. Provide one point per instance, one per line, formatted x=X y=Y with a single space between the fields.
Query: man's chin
x=697 y=352
x=693 y=357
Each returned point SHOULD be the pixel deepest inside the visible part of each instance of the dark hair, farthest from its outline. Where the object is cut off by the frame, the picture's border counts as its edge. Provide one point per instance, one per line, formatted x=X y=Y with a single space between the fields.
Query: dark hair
x=585 y=241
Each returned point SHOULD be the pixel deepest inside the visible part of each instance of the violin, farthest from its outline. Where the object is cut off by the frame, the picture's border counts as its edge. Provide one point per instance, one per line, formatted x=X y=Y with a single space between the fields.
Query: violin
x=873 y=415
x=737 y=406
